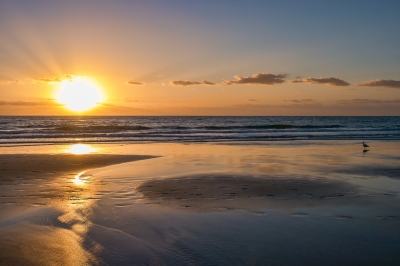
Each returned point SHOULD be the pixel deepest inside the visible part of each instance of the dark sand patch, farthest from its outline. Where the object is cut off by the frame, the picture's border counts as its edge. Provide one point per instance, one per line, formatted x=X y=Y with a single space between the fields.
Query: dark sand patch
x=20 y=166
x=226 y=192
x=372 y=171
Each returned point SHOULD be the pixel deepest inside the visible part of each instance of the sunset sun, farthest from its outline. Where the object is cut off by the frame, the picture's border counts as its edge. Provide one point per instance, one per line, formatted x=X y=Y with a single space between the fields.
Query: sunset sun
x=78 y=95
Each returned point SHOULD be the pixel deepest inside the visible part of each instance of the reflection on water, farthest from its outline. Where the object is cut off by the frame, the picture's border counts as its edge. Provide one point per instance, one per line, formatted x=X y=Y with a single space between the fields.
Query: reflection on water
x=77 y=180
x=81 y=149
x=55 y=230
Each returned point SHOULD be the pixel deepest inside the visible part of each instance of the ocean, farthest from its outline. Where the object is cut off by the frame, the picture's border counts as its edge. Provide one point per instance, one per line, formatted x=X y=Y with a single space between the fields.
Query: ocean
x=132 y=129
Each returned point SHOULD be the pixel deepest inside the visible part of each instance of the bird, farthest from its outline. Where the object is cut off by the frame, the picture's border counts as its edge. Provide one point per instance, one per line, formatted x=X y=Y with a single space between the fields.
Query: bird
x=365 y=145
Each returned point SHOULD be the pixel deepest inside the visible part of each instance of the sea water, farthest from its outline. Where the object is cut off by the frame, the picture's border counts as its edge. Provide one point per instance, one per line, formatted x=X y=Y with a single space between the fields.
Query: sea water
x=138 y=129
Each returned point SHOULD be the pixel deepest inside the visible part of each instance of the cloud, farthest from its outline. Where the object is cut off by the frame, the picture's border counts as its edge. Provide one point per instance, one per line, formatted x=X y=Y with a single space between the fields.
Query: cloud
x=130 y=100
x=34 y=80
x=70 y=77
x=105 y=104
x=49 y=80
x=252 y=100
x=332 y=81
x=297 y=81
x=302 y=102
x=6 y=82
x=189 y=83
x=56 y=80
x=386 y=83
x=208 y=82
x=184 y=83
x=360 y=101
x=259 y=78
x=134 y=83
x=30 y=103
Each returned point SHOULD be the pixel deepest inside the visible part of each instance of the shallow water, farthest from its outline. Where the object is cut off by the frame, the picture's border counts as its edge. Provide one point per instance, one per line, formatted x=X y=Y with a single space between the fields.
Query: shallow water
x=262 y=230
x=229 y=205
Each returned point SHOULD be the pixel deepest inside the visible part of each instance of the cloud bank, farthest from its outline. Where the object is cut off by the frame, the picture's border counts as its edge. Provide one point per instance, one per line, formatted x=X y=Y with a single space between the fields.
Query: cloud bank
x=386 y=83
x=259 y=78
x=332 y=81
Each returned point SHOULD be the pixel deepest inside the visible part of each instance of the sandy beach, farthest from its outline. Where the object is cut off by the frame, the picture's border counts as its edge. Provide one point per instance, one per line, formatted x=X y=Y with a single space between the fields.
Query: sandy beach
x=192 y=204
x=180 y=133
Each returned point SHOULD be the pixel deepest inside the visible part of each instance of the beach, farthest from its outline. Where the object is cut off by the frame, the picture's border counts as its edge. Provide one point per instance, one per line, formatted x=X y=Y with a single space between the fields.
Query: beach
x=199 y=133
x=192 y=204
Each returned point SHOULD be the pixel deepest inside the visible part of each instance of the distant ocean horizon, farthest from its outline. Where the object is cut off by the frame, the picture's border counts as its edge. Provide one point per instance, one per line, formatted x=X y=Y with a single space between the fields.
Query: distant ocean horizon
x=21 y=130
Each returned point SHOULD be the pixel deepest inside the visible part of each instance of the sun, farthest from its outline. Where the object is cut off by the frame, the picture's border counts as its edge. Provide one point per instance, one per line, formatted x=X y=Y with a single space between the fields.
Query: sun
x=79 y=94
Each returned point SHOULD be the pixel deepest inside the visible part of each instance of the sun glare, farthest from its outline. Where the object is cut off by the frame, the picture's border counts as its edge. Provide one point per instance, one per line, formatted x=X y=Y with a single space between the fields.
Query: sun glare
x=79 y=94
x=77 y=180
x=80 y=148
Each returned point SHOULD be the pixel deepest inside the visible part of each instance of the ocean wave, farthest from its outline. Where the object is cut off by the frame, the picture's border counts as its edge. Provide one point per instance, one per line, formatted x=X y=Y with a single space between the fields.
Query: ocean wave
x=254 y=127
x=275 y=126
x=203 y=129
x=101 y=128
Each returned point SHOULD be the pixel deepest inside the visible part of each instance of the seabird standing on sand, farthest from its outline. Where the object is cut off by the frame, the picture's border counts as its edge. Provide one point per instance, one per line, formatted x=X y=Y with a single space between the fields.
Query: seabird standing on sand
x=365 y=145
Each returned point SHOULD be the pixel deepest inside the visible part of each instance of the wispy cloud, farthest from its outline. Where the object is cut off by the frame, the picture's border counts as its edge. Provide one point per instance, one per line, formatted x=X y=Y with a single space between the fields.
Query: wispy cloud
x=252 y=100
x=302 y=101
x=190 y=83
x=6 y=82
x=48 y=80
x=70 y=77
x=259 y=78
x=34 y=80
x=332 y=81
x=386 y=83
x=57 y=80
x=30 y=103
x=360 y=101
x=137 y=83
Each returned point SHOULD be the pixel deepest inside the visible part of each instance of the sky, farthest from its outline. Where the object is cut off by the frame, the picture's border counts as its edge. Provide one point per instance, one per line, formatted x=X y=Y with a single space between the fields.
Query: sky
x=266 y=58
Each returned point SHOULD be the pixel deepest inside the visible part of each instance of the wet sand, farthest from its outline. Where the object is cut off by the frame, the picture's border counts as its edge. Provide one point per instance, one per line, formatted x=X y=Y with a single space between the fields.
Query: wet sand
x=36 y=227
x=201 y=204
x=32 y=180
x=207 y=193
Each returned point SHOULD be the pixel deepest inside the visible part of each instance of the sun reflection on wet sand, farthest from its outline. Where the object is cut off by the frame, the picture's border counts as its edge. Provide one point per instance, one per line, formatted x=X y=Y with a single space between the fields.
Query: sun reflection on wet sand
x=47 y=205
x=81 y=149
x=77 y=180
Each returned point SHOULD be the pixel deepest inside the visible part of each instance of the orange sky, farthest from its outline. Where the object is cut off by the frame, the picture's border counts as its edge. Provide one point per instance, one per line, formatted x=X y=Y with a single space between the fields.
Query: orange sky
x=188 y=58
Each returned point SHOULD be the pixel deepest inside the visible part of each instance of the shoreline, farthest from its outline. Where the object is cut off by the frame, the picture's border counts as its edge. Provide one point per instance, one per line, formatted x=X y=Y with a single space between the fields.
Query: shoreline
x=294 y=142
